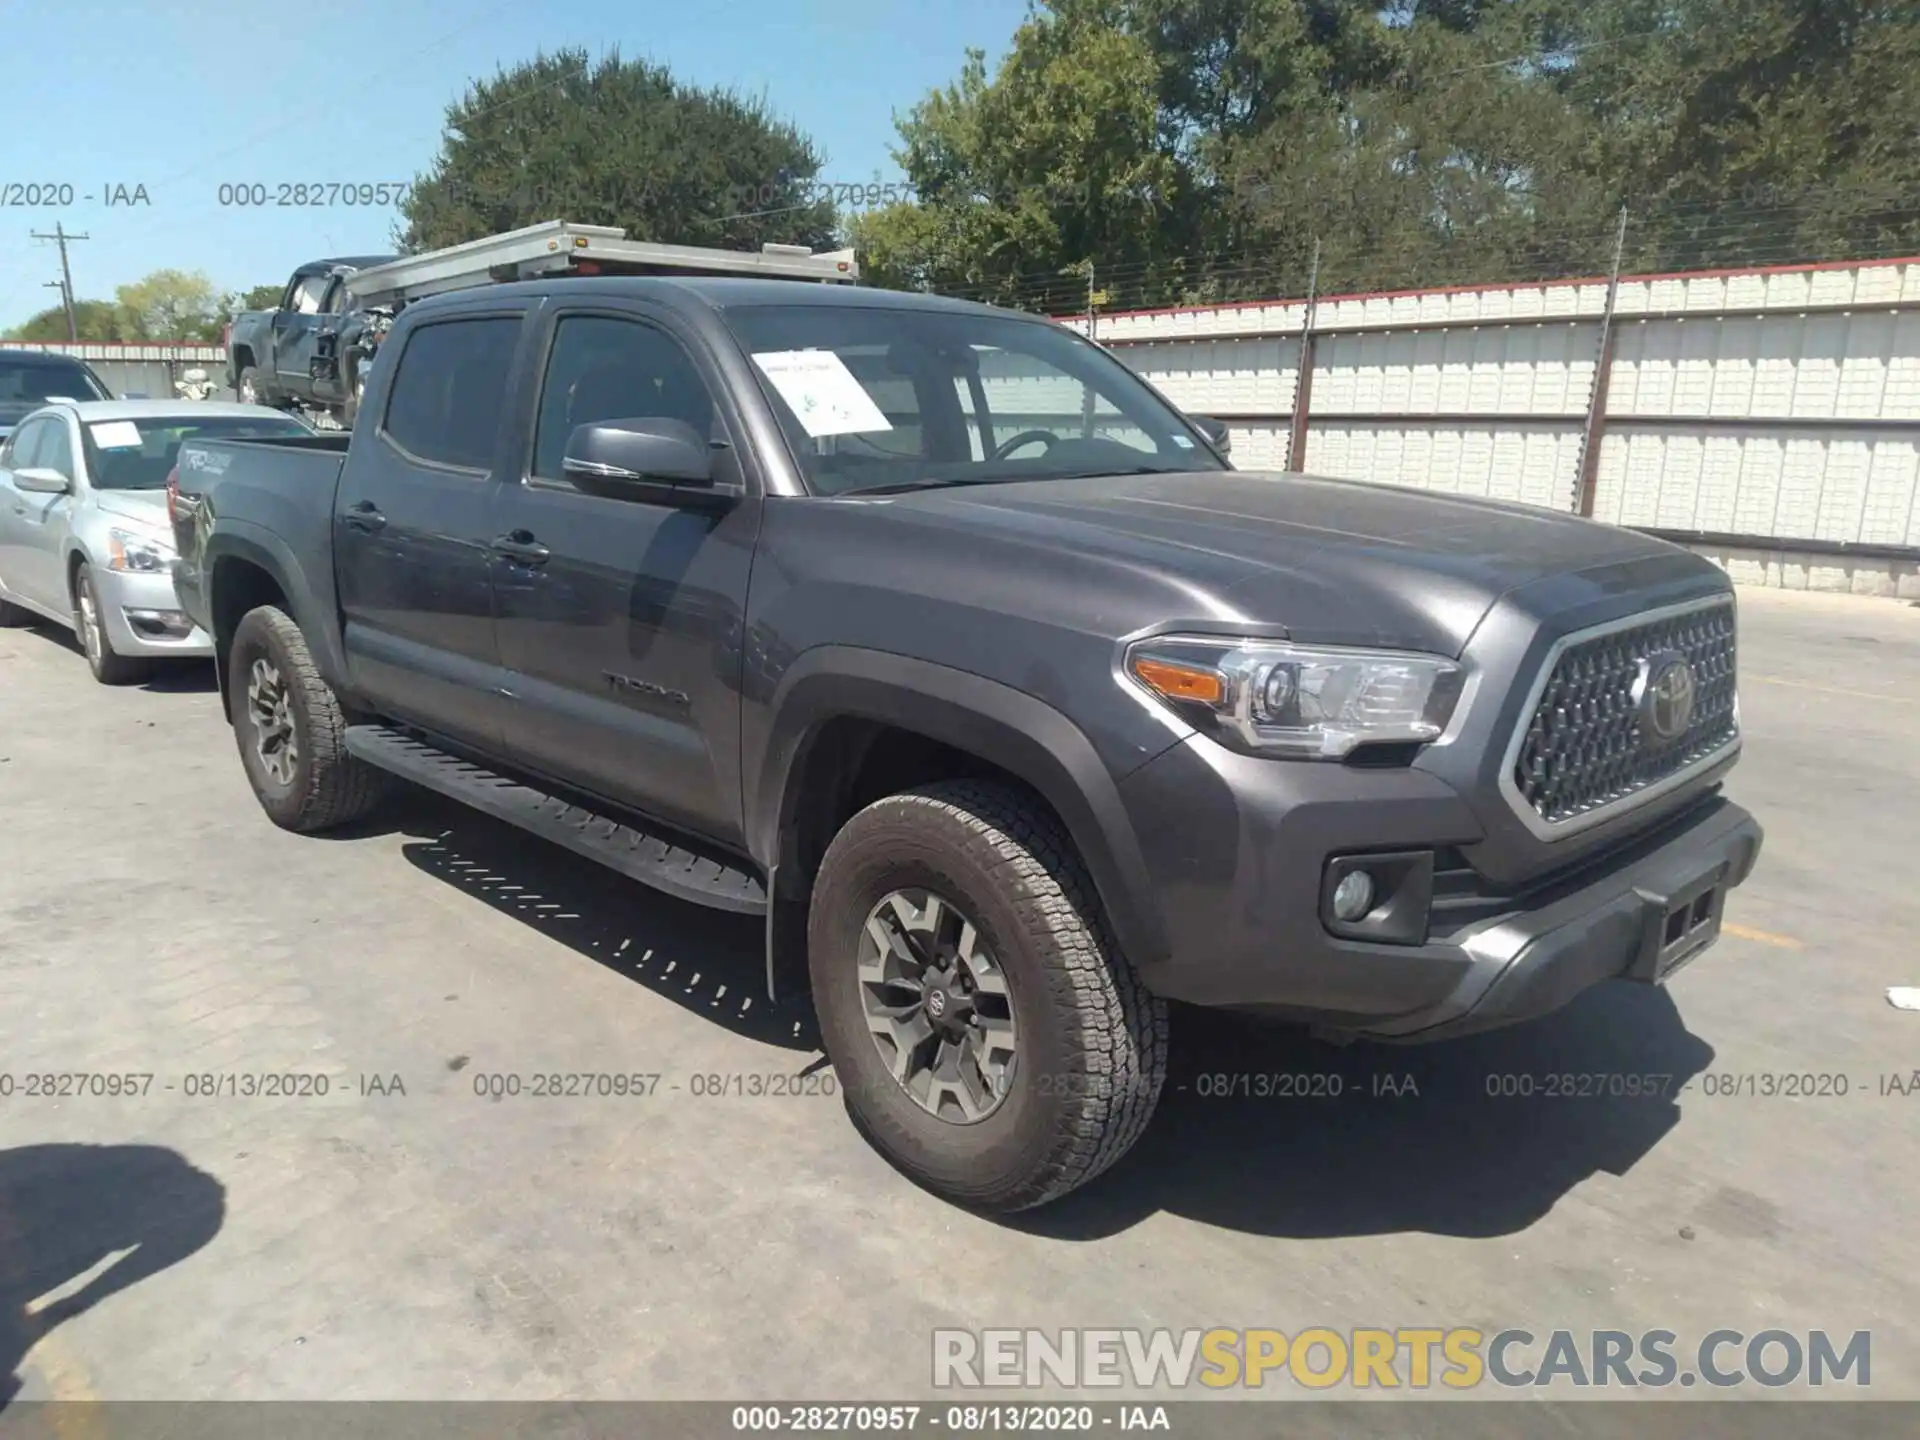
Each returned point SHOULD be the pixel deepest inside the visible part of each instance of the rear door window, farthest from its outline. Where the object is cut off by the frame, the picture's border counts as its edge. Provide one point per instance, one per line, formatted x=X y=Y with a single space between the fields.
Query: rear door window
x=449 y=393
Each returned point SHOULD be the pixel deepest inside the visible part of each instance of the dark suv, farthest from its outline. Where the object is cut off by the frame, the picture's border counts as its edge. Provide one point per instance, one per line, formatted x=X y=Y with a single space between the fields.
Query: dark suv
x=32 y=378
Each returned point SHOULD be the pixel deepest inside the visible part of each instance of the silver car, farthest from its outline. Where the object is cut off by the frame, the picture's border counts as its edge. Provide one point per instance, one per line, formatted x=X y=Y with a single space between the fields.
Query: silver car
x=84 y=534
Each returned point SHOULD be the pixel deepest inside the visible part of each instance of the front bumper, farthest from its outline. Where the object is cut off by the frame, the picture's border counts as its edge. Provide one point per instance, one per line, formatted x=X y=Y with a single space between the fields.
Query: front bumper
x=137 y=610
x=1237 y=846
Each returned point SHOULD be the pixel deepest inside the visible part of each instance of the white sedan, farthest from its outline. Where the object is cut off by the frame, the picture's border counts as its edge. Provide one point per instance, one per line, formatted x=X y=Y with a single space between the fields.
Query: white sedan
x=84 y=534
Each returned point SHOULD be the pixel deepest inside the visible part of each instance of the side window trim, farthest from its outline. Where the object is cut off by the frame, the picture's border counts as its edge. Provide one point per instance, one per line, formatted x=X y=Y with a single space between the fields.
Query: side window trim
x=517 y=314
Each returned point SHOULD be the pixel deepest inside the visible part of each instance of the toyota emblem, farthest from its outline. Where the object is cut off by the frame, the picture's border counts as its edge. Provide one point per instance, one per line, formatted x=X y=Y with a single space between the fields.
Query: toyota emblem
x=1665 y=699
x=936 y=1004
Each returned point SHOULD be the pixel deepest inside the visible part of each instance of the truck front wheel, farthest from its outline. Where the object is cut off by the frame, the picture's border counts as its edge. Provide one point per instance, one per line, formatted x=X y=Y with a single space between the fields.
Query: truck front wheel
x=291 y=729
x=990 y=1039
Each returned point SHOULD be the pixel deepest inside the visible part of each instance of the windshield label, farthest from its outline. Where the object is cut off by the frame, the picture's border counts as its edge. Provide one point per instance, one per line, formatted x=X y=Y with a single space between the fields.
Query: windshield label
x=214 y=463
x=116 y=434
x=822 y=392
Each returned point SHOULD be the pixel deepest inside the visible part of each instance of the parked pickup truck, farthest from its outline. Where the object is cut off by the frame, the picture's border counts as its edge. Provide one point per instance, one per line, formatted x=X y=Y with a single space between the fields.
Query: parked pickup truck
x=309 y=351
x=935 y=637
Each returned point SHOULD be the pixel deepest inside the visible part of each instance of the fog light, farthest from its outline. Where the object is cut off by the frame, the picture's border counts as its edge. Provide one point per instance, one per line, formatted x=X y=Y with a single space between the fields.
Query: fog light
x=1353 y=896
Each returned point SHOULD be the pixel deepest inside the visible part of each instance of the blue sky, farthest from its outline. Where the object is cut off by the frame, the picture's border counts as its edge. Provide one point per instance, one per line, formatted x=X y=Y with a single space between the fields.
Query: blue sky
x=180 y=98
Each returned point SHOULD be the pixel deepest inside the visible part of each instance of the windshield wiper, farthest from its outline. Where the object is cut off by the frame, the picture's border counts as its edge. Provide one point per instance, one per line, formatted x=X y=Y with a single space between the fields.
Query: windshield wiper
x=901 y=487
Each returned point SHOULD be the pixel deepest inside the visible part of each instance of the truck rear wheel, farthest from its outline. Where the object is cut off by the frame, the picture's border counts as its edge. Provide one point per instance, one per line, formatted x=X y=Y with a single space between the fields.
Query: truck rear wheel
x=291 y=729
x=247 y=388
x=991 y=1040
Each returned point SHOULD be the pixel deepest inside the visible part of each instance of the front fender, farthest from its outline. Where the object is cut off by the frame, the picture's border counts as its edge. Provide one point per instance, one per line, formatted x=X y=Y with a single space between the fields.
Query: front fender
x=982 y=717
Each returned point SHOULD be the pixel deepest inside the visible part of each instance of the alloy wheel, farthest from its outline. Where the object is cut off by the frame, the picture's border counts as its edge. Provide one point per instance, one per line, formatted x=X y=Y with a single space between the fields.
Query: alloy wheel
x=90 y=638
x=271 y=711
x=937 y=1005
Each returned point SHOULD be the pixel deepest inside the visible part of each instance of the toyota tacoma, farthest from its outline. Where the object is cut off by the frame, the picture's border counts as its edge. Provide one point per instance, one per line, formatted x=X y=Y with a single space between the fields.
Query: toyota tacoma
x=935 y=637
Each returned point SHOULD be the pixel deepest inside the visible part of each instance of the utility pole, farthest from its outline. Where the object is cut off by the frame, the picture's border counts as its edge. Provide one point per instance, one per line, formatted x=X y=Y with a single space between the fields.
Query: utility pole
x=61 y=237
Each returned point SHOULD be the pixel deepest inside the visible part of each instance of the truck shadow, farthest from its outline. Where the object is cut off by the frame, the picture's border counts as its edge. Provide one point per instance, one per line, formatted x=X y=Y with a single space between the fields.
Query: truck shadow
x=710 y=963
x=79 y=1223
x=1260 y=1128
x=1265 y=1130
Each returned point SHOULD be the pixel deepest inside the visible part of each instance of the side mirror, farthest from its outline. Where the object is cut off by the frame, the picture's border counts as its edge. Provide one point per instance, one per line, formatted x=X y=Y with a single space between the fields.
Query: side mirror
x=42 y=481
x=652 y=458
x=1214 y=430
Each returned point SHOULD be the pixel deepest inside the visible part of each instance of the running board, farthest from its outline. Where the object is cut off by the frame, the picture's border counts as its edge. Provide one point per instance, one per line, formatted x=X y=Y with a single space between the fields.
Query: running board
x=650 y=859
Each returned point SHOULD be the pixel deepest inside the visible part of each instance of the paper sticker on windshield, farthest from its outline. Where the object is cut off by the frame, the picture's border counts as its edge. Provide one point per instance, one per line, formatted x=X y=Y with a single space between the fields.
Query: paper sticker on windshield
x=822 y=391
x=116 y=435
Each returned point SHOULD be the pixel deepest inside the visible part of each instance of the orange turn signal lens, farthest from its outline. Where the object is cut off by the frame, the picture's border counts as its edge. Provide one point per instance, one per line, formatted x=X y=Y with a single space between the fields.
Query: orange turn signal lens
x=1180 y=682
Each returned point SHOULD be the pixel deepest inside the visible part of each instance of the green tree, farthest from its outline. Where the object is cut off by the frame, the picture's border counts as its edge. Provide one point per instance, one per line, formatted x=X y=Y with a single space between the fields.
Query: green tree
x=260 y=297
x=170 y=305
x=616 y=142
x=1200 y=148
x=97 y=320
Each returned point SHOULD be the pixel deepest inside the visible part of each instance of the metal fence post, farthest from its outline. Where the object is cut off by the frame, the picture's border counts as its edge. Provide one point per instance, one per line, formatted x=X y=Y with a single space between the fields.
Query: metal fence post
x=1596 y=427
x=1303 y=371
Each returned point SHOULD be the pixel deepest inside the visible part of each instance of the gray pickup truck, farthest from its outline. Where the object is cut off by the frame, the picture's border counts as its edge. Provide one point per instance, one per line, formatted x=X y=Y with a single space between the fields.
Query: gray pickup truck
x=314 y=349
x=934 y=636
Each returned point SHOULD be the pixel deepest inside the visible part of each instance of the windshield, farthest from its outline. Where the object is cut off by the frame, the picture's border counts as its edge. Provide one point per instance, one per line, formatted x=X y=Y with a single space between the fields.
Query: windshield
x=900 y=399
x=138 y=454
x=37 y=382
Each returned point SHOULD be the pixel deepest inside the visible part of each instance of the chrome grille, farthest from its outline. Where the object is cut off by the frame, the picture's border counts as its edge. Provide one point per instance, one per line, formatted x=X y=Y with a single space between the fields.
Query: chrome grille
x=1587 y=745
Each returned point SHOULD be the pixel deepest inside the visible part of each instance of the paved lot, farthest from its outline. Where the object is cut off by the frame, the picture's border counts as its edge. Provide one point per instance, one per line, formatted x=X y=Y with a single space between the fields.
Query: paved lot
x=434 y=1244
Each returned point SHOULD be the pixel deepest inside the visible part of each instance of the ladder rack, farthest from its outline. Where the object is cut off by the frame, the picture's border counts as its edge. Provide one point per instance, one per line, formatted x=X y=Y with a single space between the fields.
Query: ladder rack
x=560 y=247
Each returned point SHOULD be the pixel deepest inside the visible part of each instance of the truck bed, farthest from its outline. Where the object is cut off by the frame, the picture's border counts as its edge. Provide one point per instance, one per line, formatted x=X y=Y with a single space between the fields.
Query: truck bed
x=281 y=489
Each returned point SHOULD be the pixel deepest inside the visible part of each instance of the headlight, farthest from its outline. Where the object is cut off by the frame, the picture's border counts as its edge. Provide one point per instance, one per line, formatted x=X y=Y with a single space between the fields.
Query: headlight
x=139 y=554
x=1315 y=702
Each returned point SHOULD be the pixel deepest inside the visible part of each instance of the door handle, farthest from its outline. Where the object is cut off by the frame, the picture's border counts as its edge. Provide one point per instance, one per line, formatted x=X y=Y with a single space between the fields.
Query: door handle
x=520 y=547
x=365 y=516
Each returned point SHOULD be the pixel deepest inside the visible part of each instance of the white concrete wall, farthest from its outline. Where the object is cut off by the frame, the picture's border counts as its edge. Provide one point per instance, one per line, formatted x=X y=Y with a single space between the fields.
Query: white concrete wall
x=1773 y=424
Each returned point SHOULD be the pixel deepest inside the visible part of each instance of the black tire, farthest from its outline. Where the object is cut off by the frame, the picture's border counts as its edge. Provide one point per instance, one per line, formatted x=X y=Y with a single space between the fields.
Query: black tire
x=324 y=786
x=91 y=629
x=1092 y=1038
x=250 y=376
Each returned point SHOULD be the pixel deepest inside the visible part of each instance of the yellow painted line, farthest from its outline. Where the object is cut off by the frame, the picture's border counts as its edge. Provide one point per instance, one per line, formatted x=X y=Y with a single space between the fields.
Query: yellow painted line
x=1765 y=937
x=1826 y=689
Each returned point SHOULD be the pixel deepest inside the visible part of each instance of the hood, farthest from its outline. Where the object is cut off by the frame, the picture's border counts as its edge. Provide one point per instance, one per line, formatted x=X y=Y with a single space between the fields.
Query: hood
x=143 y=507
x=1334 y=562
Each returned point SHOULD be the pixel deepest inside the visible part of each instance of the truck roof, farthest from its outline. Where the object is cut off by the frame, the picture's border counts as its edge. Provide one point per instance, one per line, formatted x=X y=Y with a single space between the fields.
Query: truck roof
x=722 y=292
